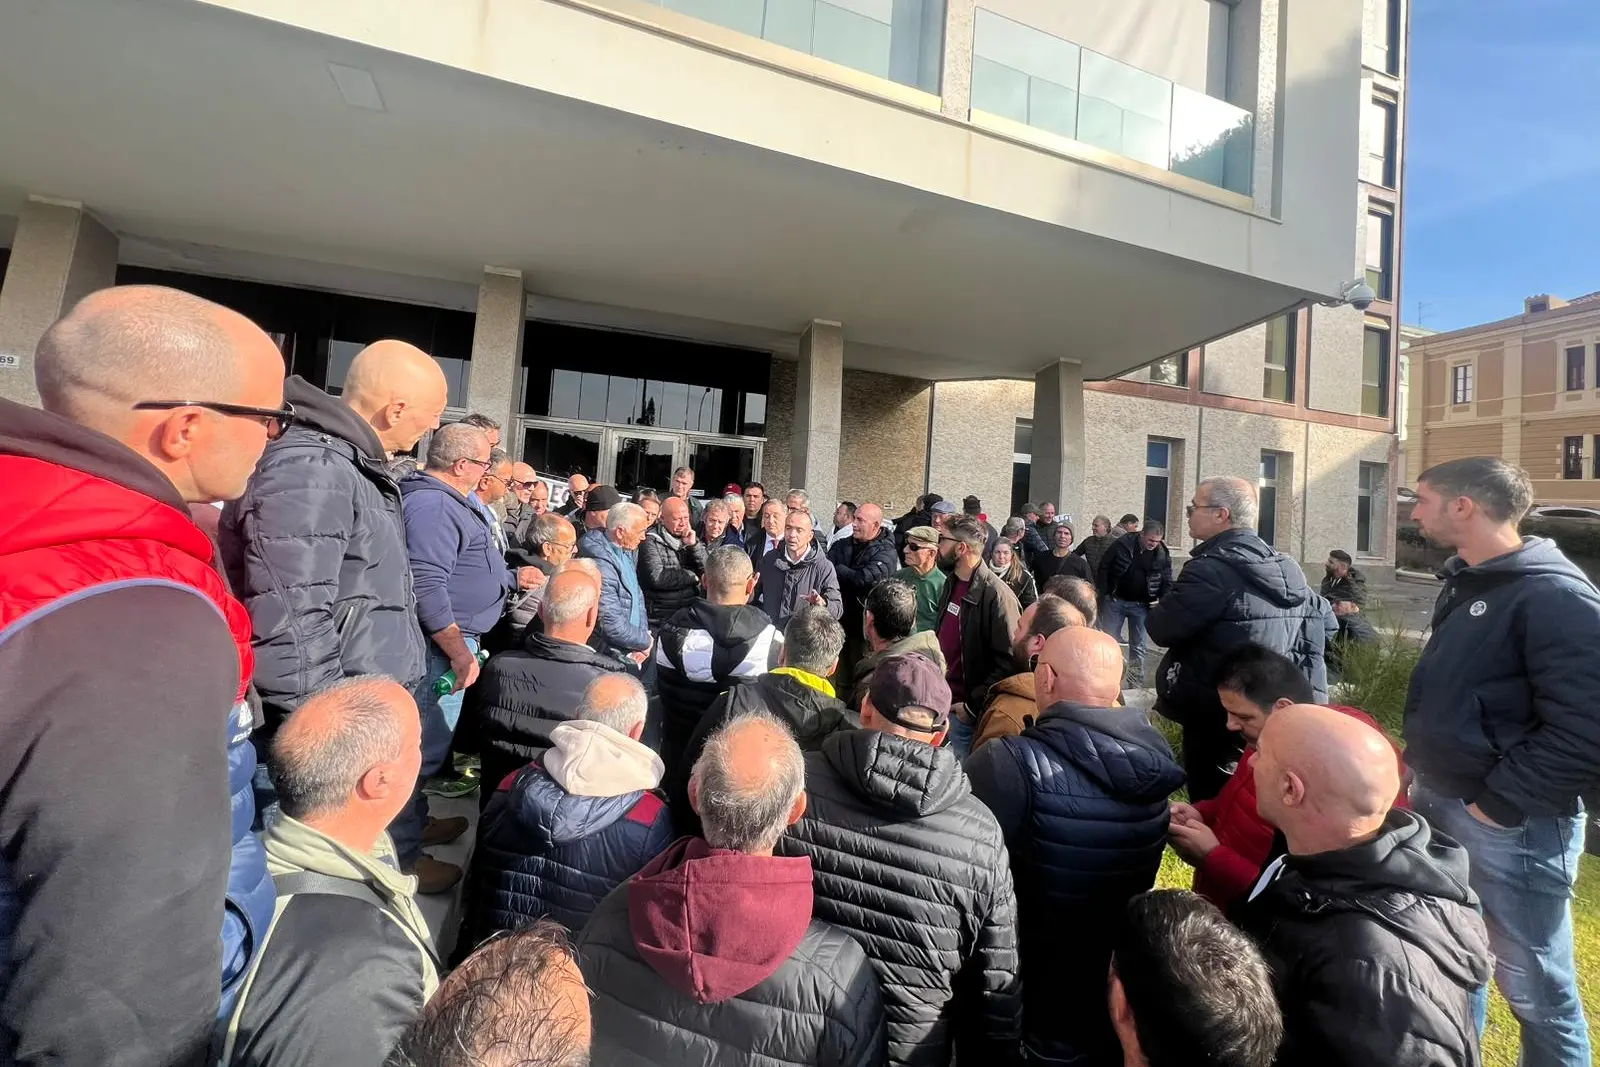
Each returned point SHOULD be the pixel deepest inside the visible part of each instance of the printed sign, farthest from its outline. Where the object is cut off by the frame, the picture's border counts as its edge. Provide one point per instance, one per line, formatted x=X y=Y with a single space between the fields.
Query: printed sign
x=9 y=361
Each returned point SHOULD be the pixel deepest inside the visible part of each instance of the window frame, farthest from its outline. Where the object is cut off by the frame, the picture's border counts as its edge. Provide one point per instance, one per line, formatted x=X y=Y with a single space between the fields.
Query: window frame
x=1463 y=386
x=1383 y=286
x=1390 y=110
x=1385 y=367
x=1572 y=460
x=1581 y=350
x=1290 y=336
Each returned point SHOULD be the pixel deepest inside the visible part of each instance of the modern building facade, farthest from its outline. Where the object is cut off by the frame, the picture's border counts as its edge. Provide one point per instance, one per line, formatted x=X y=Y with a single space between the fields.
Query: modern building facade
x=1524 y=388
x=871 y=247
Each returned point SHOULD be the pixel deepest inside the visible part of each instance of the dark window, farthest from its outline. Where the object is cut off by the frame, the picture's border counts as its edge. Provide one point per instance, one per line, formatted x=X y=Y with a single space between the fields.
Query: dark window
x=1278 y=375
x=320 y=333
x=1380 y=254
x=1597 y=455
x=1380 y=143
x=1461 y=384
x=1575 y=358
x=1157 y=478
x=1572 y=458
x=1174 y=370
x=1021 y=475
x=632 y=379
x=1375 y=373
x=1369 y=483
x=1267 y=491
x=1536 y=306
x=1022 y=439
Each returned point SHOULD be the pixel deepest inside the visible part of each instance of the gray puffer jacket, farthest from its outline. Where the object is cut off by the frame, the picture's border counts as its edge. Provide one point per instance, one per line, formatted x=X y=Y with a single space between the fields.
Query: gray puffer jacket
x=316 y=549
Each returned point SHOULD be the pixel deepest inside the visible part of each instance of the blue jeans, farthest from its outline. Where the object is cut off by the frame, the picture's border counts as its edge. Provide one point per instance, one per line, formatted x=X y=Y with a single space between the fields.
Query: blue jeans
x=1134 y=613
x=961 y=737
x=1524 y=876
x=439 y=717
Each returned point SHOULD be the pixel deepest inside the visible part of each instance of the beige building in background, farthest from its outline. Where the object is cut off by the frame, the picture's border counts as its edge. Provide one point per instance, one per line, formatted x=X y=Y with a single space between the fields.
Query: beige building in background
x=870 y=247
x=1523 y=388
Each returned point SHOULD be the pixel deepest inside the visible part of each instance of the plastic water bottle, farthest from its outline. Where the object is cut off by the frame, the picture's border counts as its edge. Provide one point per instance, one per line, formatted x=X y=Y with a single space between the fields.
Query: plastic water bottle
x=447 y=680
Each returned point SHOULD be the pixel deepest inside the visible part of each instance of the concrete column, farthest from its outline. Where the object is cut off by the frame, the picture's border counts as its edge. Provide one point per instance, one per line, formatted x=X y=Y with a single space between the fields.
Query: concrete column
x=497 y=349
x=60 y=254
x=1253 y=52
x=955 y=82
x=818 y=396
x=1058 y=448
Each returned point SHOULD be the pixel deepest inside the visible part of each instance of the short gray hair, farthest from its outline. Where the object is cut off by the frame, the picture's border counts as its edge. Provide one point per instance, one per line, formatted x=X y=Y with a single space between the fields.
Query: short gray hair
x=718 y=507
x=728 y=567
x=573 y=604
x=736 y=812
x=1014 y=525
x=732 y=500
x=1499 y=488
x=547 y=527
x=615 y=699
x=624 y=516
x=805 y=497
x=812 y=639
x=451 y=444
x=320 y=754
x=497 y=459
x=1235 y=494
x=132 y=342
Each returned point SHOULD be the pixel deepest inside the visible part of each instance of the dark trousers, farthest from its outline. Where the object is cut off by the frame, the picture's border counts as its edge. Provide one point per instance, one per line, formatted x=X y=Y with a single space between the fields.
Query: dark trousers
x=1211 y=751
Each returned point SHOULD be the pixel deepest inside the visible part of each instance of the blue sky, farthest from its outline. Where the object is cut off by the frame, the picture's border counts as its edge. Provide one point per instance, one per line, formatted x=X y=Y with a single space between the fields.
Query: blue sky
x=1503 y=165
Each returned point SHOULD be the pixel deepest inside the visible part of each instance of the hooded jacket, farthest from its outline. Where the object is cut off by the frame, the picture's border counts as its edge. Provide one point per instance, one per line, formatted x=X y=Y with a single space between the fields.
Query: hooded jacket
x=989 y=617
x=1131 y=572
x=1011 y=709
x=1504 y=706
x=623 y=624
x=800 y=700
x=1082 y=800
x=860 y=565
x=669 y=573
x=700 y=652
x=711 y=957
x=1235 y=588
x=566 y=830
x=316 y=549
x=785 y=584
x=524 y=694
x=340 y=974
x=1375 y=951
x=125 y=755
x=923 y=643
x=461 y=576
x=1244 y=838
x=913 y=865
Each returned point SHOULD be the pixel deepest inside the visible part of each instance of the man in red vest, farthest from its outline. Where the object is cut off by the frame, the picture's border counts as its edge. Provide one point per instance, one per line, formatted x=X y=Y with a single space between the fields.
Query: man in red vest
x=132 y=893
x=1225 y=838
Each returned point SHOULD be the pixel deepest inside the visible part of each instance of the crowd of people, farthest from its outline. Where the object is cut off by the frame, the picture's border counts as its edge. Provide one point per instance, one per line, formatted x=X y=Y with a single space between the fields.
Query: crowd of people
x=751 y=790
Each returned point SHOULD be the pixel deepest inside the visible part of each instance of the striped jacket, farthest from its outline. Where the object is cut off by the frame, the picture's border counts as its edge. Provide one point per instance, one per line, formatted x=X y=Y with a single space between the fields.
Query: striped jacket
x=701 y=651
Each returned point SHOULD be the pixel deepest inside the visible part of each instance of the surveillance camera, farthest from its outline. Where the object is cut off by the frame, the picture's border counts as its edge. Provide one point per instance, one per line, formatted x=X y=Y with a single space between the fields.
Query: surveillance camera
x=1358 y=294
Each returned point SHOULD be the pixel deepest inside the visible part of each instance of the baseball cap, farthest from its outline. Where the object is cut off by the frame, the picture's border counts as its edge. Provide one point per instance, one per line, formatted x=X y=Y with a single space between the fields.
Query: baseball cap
x=944 y=507
x=925 y=536
x=732 y=488
x=602 y=498
x=910 y=681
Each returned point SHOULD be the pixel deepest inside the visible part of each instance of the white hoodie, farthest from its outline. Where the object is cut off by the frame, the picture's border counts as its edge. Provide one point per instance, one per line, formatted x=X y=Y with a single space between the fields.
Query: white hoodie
x=590 y=759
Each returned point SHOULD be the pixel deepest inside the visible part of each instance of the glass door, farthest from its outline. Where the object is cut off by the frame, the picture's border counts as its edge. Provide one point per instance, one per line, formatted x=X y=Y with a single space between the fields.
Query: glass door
x=559 y=450
x=640 y=460
x=720 y=461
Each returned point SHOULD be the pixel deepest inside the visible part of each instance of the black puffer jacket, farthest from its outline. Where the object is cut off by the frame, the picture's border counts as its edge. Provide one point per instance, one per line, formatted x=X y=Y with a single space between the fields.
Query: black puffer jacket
x=1235 y=588
x=316 y=549
x=809 y=713
x=913 y=865
x=523 y=695
x=669 y=574
x=700 y=652
x=1082 y=801
x=1375 y=951
x=861 y=565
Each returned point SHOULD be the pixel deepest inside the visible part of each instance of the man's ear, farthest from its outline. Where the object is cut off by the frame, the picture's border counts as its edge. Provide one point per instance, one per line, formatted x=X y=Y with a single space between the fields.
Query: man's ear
x=795 y=812
x=694 y=794
x=636 y=731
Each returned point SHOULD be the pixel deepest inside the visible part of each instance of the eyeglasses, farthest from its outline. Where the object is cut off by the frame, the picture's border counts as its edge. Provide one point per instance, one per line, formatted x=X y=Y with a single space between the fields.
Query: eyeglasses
x=565 y=546
x=277 y=420
x=514 y=484
x=484 y=463
x=1190 y=509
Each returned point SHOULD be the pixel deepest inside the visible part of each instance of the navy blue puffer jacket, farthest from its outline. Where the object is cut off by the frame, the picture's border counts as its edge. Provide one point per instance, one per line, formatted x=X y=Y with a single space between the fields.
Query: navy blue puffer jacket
x=1082 y=799
x=566 y=831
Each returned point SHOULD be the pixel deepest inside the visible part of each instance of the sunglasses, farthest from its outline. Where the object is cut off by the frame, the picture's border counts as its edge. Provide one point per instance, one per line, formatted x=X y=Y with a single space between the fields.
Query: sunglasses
x=277 y=420
x=521 y=485
x=1190 y=509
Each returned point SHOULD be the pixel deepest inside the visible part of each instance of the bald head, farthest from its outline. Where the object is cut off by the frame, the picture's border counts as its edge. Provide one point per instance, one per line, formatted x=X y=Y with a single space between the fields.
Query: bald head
x=615 y=699
x=1081 y=665
x=586 y=567
x=146 y=343
x=355 y=744
x=1325 y=778
x=748 y=785
x=869 y=521
x=675 y=516
x=570 y=605
x=399 y=390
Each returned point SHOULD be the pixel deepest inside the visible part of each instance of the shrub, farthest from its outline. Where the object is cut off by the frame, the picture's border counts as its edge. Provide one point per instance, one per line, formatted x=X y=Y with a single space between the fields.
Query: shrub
x=1376 y=674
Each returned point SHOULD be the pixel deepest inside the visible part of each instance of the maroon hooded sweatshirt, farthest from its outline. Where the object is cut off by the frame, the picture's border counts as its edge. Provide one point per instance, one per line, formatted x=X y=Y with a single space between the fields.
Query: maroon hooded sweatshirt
x=709 y=956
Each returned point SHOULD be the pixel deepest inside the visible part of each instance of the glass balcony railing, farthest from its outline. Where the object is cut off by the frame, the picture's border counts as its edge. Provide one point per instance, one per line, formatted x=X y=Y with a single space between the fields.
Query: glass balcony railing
x=898 y=40
x=1051 y=84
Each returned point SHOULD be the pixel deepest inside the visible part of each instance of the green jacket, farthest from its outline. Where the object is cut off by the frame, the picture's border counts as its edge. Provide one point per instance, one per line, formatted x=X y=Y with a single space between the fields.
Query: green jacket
x=923 y=642
x=929 y=589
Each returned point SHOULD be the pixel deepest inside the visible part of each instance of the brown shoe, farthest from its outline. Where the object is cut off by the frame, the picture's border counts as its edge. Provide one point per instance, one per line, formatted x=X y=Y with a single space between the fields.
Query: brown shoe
x=443 y=831
x=435 y=876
